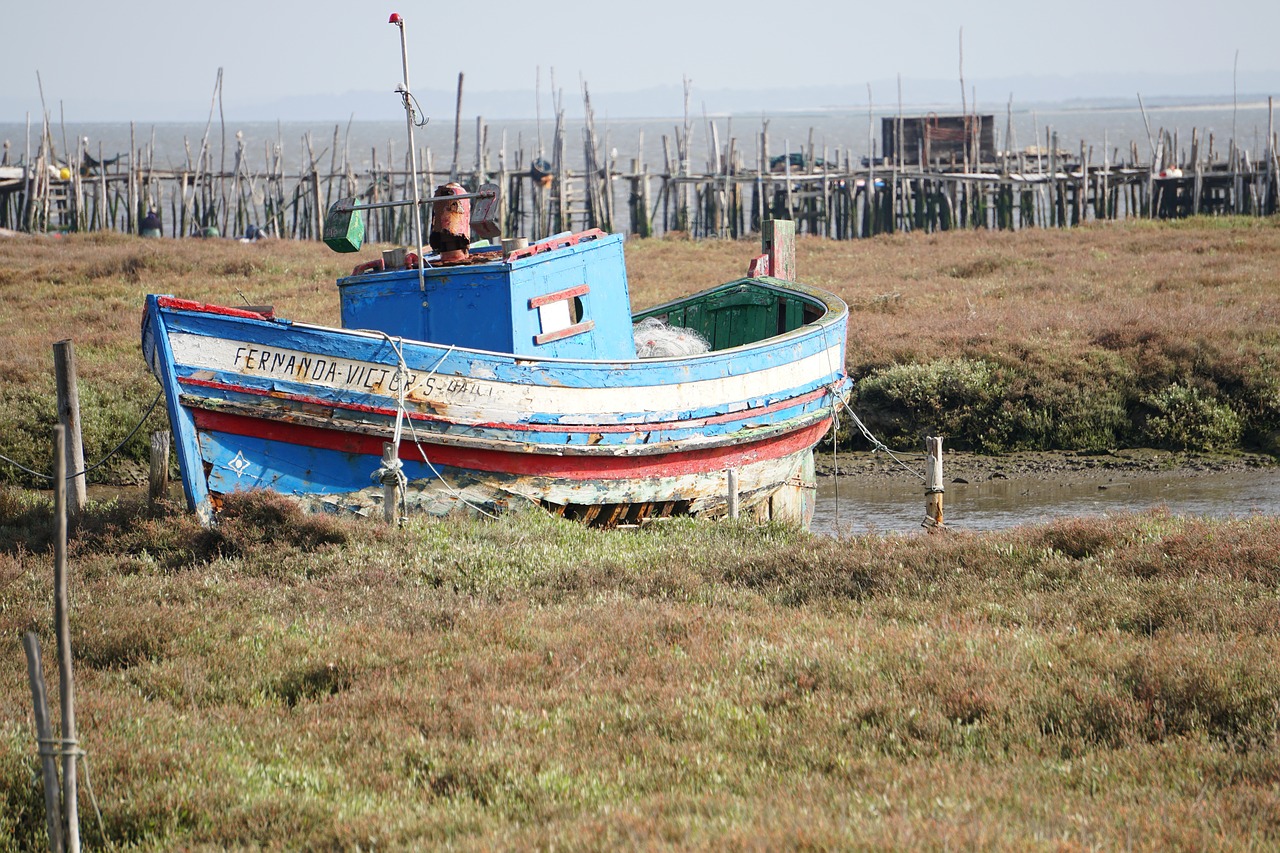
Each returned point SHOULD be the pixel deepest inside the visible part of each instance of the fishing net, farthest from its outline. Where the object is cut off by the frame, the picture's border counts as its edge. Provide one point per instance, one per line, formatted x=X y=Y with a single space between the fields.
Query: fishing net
x=655 y=339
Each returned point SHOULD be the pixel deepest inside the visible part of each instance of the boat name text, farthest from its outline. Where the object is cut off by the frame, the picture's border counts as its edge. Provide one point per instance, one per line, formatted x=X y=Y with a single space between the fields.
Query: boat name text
x=373 y=378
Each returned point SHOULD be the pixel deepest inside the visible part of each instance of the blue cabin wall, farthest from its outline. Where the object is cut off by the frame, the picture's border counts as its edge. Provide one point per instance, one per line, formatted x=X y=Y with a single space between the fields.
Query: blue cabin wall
x=606 y=305
x=462 y=306
x=495 y=306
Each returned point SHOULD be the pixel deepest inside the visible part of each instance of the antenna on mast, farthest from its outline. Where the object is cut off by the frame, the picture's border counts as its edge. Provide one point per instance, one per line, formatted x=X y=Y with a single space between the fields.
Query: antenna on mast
x=407 y=97
x=343 y=229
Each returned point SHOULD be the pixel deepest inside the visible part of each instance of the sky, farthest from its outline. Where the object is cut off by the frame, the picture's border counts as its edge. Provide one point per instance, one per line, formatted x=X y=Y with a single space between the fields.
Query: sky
x=150 y=60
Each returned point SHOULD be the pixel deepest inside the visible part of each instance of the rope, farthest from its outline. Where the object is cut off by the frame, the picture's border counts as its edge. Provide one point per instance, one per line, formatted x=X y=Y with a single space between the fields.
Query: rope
x=59 y=747
x=93 y=798
x=393 y=470
x=21 y=467
x=402 y=416
x=70 y=747
x=928 y=523
x=95 y=466
x=878 y=445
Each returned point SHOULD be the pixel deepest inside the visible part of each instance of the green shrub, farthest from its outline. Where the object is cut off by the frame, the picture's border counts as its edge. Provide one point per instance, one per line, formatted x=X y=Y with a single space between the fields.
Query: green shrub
x=1062 y=416
x=1260 y=408
x=958 y=398
x=1181 y=418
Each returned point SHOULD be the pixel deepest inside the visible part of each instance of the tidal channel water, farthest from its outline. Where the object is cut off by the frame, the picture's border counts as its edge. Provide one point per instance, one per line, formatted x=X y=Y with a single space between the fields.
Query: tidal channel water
x=853 y=507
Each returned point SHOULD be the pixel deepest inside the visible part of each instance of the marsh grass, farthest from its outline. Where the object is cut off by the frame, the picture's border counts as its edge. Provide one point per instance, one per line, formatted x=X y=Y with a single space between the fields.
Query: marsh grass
x=290 y=682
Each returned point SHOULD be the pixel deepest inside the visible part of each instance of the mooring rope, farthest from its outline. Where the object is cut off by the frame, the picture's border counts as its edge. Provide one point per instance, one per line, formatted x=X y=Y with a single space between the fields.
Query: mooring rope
x=95 y=466
x=877 y=445
x=402 y=416
x=393 y=468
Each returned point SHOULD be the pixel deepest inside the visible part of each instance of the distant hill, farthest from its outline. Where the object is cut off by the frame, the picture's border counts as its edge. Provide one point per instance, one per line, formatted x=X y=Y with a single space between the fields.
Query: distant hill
x=992 y=94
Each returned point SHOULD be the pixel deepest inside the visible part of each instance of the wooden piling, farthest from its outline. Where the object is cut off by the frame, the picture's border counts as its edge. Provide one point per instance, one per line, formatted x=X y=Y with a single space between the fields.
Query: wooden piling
x=829 y=197
x=933 y=485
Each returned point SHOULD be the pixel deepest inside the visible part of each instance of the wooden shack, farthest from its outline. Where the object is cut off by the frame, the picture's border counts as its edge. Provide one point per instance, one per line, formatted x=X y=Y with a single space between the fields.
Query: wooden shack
x=939 y=139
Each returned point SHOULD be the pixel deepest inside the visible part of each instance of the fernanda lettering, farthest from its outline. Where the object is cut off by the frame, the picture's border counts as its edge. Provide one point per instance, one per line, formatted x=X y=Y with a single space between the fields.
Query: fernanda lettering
x=344 y=373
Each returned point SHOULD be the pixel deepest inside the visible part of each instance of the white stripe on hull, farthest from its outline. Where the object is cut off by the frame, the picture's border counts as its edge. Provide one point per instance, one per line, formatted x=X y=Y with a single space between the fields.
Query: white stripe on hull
x=489 y=399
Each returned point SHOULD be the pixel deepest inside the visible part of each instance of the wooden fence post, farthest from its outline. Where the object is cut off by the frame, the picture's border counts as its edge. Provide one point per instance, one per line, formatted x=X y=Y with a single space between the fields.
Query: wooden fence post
x=44 y=736
x=733 y=493
x=64 y=366
x=62 y=624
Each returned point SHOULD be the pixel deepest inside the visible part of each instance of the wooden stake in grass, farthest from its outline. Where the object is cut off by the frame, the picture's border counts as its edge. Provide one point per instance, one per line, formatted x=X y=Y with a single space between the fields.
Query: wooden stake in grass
x=64 y=367
x=62 y=624
x=44 y=734
x=933 y=485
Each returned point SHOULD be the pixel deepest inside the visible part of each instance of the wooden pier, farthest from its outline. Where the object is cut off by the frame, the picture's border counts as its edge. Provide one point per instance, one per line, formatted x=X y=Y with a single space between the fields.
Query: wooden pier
x=832 y=194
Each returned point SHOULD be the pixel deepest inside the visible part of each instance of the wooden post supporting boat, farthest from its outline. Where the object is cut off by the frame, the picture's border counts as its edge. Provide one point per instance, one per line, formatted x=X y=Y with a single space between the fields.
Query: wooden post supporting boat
x=159 y=479
x=390 y=472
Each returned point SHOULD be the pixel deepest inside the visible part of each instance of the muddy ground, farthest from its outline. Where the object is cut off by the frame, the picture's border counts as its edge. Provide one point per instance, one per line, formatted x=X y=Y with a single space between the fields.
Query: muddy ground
x=1066 y=467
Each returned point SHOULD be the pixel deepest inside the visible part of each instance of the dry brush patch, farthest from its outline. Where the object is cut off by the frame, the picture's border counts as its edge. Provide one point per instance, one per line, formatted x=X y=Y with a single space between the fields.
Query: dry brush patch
x=293 y=682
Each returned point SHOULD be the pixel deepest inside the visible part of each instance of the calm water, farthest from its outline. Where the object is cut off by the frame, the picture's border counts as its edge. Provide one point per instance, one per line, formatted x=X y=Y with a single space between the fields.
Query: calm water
x=898 y=507
x=1110 y=130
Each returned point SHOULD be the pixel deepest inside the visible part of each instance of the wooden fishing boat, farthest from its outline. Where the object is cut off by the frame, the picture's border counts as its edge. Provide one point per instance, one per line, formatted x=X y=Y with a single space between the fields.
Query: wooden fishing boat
x=508 y=378
x=473 y=377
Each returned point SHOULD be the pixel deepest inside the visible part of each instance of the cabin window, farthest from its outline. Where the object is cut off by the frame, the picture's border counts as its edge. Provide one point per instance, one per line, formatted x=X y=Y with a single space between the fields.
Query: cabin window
x=561 y=314
x=556 y=315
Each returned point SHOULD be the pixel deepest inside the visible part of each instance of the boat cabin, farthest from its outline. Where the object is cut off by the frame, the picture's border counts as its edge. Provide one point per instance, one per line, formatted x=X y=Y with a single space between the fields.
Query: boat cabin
x=565 y=297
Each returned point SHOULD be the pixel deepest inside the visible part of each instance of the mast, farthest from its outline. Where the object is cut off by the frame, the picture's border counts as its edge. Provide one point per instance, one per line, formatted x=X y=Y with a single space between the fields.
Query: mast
x=409 y=121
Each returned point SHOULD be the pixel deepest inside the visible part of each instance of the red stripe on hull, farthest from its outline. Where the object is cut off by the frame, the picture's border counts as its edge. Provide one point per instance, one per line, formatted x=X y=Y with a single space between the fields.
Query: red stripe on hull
x=528 y=464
